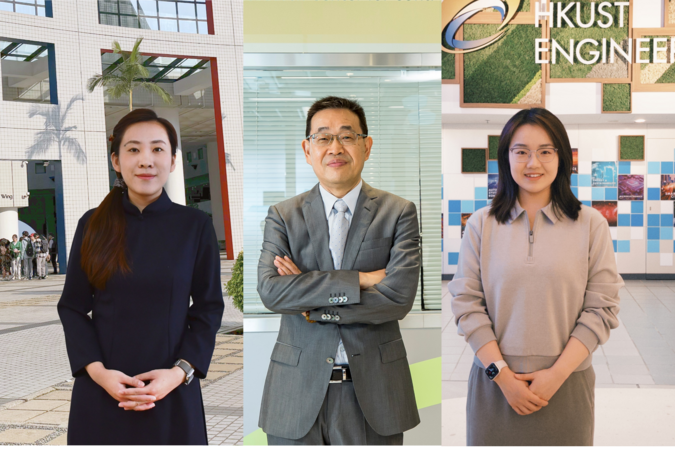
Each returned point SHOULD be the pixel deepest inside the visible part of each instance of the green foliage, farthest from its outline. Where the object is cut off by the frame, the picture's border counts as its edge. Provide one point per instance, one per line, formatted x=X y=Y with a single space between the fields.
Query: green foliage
x=616 y=97
x=563 y=68
x=527 y=88
x=500 y=72
x=127 y=76
x=448 y=66
x=631 y=148
x=473 y=160
x=447 y=62
x=235 y=287
x=668 y=76
x=493 y=146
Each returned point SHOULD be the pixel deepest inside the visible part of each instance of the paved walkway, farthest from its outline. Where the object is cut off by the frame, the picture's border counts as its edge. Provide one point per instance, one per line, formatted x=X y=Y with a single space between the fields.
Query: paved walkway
x=635 y=371
x=34 y=406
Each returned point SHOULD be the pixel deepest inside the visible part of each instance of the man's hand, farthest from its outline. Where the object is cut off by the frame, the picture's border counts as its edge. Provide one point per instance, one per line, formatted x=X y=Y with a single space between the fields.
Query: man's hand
x=370 y=279
x=114 y=382
x=520 y=397
x=285 y=266
x=162 y=382
x=543 y=383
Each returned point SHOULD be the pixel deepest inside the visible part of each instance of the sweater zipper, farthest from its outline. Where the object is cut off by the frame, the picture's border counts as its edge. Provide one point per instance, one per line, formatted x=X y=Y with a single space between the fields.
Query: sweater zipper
x=530 y=236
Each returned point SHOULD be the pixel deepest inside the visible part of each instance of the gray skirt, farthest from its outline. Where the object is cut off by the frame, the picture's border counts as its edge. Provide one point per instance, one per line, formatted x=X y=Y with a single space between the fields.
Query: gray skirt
x=568 y=419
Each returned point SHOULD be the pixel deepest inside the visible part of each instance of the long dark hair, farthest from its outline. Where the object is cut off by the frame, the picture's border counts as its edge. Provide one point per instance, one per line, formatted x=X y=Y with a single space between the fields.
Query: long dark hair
x=562 y=197
x=103 y=244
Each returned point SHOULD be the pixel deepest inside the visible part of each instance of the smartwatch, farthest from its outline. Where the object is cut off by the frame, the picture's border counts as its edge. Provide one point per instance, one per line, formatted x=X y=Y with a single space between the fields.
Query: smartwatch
x=495 y=369
x=187 y=368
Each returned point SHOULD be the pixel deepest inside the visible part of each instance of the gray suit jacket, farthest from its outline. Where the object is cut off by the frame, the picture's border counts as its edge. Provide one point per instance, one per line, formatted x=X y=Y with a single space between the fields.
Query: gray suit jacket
x=384 y=233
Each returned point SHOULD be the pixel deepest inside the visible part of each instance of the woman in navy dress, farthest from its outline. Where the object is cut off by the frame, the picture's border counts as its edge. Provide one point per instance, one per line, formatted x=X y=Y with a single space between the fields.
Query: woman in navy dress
x=135 y=263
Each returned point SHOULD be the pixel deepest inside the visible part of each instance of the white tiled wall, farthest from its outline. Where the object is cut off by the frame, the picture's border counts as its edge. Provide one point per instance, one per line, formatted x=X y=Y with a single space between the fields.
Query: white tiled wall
x=78 y=39
x=646 y=247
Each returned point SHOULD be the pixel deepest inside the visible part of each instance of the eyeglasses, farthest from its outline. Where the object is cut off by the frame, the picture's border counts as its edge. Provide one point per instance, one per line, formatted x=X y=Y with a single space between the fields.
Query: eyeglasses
x=346 y=139
x=523 y=154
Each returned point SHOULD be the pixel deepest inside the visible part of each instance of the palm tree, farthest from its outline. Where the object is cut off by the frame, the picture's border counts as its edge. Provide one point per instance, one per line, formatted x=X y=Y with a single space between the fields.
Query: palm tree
x=55 y=132
x=132 y=72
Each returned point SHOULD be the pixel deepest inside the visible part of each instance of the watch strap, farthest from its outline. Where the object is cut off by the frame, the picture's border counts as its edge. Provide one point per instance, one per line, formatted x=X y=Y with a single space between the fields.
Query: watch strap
x=501 y=364
x=187 y=368
x=494 y=369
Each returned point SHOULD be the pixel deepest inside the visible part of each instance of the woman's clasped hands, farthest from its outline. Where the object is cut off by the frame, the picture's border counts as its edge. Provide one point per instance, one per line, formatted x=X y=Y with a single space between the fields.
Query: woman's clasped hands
x=131 y=392
x=529 y=392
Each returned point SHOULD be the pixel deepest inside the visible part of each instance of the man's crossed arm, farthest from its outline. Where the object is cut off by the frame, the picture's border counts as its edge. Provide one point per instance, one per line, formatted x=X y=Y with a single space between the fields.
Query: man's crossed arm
x=368 y=297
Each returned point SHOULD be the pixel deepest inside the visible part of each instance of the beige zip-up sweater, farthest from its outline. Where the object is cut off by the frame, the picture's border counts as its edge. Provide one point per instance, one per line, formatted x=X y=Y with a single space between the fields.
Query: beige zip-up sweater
x=530 y=290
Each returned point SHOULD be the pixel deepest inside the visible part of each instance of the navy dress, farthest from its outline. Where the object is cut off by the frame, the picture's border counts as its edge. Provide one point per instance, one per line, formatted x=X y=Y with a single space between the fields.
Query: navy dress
x=143 y=321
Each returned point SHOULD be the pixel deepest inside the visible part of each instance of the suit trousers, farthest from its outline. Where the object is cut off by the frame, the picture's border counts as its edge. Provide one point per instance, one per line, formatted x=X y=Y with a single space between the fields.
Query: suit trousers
x=340 y=422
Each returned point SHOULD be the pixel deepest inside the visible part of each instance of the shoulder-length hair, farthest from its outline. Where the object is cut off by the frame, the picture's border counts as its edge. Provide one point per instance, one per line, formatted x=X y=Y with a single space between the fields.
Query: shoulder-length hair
x=103 y=245
x=563 y=199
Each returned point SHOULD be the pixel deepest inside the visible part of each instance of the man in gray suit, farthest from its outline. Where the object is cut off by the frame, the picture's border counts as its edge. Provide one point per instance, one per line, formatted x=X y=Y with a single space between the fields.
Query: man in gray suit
x=341 y=263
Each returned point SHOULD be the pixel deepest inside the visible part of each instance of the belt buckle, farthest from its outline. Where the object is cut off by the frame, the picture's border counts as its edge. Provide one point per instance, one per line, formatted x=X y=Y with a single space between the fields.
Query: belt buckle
x=344 y=374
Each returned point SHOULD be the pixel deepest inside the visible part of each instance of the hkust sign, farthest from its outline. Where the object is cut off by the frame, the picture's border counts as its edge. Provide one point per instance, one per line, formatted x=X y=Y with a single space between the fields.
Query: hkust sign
x=601 y=15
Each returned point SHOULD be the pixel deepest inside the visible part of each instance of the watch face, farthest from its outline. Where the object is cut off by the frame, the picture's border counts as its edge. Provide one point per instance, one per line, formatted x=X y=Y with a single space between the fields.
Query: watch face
x=492 y=371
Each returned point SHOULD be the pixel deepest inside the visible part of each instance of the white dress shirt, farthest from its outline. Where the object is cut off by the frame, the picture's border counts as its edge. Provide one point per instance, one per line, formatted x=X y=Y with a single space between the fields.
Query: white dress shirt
x=328 y=201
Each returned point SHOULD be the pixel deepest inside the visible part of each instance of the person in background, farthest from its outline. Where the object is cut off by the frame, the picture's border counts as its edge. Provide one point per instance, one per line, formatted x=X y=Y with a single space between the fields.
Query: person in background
x=41 y=252
x=5 y=260
x=29 y=257
x=36 y=239
x=53 y=251
x=25 y=241
x=16 y=252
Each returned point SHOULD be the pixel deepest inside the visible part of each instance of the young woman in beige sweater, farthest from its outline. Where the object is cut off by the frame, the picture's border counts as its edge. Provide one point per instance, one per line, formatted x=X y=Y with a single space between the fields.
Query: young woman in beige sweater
x=535 y=293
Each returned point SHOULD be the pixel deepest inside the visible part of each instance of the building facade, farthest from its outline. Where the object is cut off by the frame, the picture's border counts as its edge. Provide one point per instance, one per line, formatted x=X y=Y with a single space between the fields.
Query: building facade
x=193 y=49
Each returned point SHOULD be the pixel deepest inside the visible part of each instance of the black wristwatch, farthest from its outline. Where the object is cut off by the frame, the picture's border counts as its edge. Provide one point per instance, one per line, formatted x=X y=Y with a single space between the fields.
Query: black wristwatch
x=495 y=369
x=187 y=368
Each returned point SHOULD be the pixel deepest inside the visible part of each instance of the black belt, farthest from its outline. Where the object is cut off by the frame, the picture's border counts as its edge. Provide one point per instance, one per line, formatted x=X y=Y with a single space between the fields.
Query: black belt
x=340 y=374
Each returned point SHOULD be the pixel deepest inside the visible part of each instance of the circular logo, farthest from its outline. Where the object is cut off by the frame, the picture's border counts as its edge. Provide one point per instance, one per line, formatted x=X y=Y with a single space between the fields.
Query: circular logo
x=457 y=12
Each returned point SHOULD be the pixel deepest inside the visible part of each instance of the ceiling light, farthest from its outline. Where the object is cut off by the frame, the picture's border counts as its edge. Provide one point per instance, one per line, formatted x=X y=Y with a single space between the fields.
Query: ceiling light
x=640 y=120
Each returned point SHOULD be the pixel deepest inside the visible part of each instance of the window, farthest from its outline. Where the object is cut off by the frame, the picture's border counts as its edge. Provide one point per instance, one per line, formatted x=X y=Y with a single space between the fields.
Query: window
x=28 y=72
x=181 y=16
x=32 y=7
x=40 y=168
x=200 y=153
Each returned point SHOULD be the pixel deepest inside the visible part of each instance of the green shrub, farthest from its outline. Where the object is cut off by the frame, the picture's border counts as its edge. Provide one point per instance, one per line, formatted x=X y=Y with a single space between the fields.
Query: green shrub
x=500 y=72
x=632 y=147
x=235 y=287
x=493 y=146
x=616 y=97
x=473 y=160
